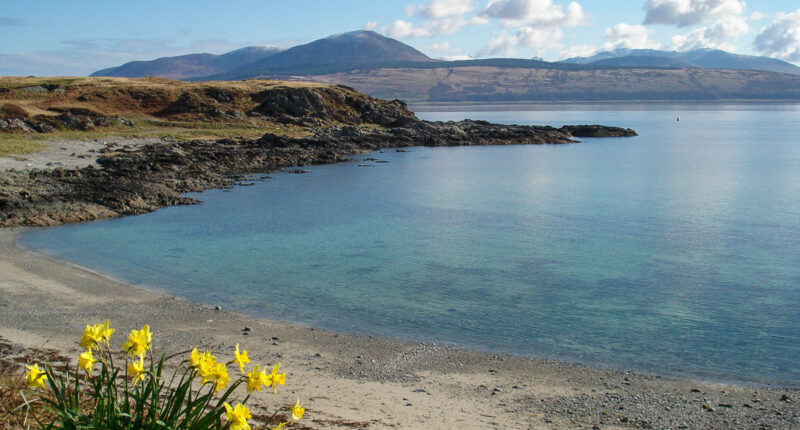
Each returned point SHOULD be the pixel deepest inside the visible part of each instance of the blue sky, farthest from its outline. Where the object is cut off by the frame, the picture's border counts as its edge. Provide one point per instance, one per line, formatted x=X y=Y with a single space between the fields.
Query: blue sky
x=77 y=38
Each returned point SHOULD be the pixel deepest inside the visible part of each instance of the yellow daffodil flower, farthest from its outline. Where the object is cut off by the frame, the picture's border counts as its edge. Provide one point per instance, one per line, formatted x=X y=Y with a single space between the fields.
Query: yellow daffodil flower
x=195 y=358
x=91 y=337
x=237 y=417
x=106 y=331
x=241 y=359
x=204 y=363
x=96 y=334
x=219 y=375
x=138 y=341
x=297 y=411
x=136 y=370
x=275 y=378
x=86 y=361
x=35 y=377
x=281 y=426
x=256 y=379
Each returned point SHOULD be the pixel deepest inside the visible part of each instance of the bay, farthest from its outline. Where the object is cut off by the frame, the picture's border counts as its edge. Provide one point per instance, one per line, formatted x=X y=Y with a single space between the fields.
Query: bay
x=676 y=252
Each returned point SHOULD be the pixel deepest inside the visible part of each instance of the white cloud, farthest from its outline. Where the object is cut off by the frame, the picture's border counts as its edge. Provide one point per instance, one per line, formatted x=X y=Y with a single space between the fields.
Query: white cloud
x=439 y=47
x=578 y=51
x=629 y=36
x=372 y=25
x=756 y=16
x=620 y=36
x=401 y=29
x=500 y=43
x=459 y=57
x=540 y=39
x=689 y=12
x=781 y=39
x=516 y=13
x=445 y=8
x=718 y=35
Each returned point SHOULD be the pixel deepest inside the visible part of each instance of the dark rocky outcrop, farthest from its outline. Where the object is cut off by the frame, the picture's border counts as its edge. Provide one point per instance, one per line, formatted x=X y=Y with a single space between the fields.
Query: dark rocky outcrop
x=323 y=105
x=139 y=181
x=595 y=130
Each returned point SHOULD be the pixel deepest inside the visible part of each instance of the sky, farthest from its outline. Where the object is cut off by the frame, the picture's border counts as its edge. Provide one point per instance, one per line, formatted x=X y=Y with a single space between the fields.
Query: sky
x=50 y=38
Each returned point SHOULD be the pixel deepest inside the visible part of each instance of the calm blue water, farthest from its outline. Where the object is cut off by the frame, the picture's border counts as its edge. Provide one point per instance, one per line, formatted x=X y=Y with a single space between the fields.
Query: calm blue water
x=675 y=252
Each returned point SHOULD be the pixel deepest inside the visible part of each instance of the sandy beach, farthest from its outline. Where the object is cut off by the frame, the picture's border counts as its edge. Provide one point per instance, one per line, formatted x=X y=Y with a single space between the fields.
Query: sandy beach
x=362 y=382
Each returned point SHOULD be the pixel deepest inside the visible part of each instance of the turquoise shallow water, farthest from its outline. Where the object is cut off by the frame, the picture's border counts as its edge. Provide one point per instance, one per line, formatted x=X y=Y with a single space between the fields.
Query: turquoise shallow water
x=676 y=252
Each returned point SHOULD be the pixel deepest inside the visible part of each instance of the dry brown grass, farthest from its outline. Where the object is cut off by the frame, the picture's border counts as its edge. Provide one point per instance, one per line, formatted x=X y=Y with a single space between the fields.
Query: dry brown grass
x=18 y=404
x=139 y=100
x=117 y=96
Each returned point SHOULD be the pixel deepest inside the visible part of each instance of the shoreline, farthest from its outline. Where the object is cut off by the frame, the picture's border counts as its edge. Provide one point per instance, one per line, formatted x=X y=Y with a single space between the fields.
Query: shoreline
x=354 y=381
x=149 y=289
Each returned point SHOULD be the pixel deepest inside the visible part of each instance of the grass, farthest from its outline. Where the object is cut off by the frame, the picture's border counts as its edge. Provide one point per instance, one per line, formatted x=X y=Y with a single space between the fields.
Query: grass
x=14 y=414
x=180 y=130
x=19 y=144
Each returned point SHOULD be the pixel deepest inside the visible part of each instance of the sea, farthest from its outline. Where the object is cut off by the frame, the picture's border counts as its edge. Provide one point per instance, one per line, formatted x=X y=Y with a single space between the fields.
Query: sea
x=676 y=252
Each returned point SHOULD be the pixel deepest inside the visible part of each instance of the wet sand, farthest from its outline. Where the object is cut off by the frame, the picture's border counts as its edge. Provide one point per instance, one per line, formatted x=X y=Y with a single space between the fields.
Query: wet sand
x=363 y=382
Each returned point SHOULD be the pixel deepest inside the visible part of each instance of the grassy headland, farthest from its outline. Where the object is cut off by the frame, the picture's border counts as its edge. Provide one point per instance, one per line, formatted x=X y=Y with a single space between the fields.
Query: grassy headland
x=103 y=108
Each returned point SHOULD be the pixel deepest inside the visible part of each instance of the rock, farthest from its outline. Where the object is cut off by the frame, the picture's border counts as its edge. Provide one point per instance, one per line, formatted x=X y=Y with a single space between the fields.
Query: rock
x=18 y=124
x=35 y=89
x=41 y=127
x=218 y=94
x=3 y=124
x=217 y=308
x=597 y=131
x=72 y=122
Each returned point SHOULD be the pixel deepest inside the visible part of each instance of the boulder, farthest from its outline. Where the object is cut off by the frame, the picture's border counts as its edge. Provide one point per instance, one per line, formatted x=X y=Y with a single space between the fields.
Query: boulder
x=19 y=124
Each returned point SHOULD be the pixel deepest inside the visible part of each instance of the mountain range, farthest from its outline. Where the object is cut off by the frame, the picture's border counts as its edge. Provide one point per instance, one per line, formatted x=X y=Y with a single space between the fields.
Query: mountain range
x=191 y=65
x=700 y=58
x=385 y=67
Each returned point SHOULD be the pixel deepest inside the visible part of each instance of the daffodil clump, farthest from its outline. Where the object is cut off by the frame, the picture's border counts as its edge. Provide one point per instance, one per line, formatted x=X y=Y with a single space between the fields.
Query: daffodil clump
x=99 y=395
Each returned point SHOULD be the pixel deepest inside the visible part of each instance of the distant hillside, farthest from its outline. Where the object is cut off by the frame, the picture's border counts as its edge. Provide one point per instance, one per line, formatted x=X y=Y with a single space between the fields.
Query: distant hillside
x=702 y=58
x=501 y=84
x=643 y=61
x=192 y=65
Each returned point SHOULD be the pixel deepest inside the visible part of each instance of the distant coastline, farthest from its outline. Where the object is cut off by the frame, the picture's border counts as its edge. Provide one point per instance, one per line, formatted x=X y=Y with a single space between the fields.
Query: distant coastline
x=639 y=104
